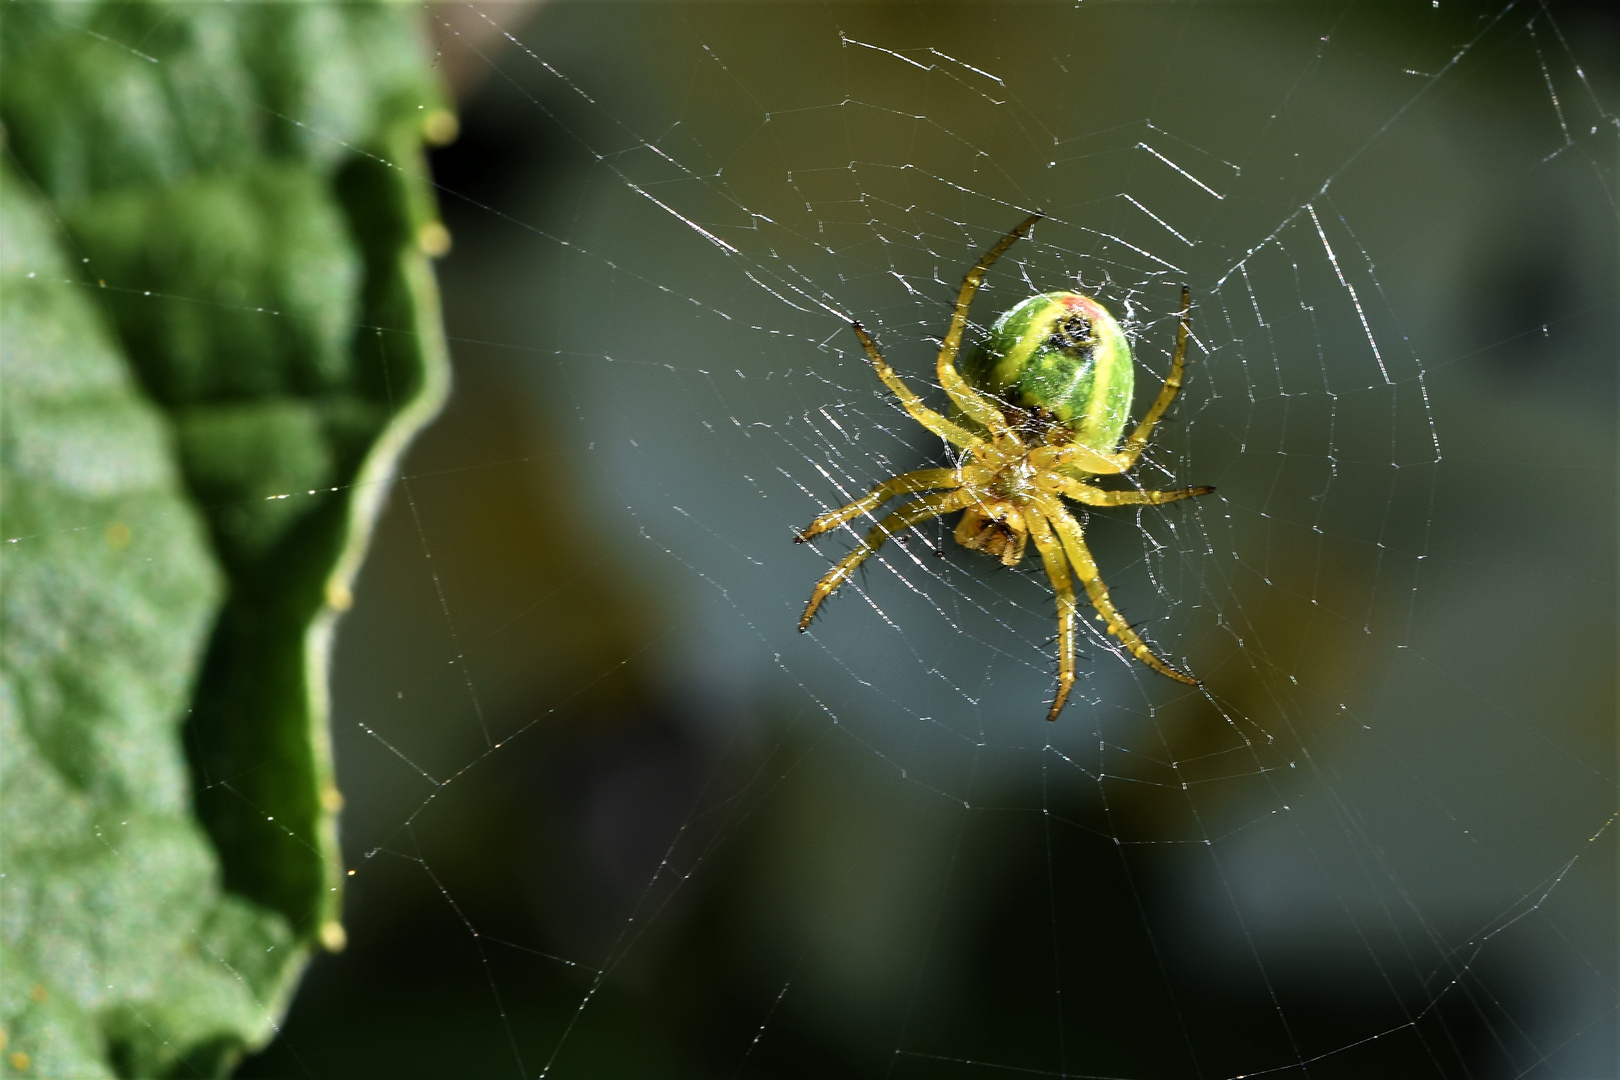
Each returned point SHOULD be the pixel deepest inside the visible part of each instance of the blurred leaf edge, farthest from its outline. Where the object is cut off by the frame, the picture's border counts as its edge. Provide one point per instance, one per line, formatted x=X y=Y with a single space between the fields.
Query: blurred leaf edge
x=167 y=795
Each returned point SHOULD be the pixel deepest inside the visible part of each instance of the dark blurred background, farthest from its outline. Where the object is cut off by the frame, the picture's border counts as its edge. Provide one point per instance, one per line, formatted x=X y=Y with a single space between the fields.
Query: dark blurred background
x=608 y=815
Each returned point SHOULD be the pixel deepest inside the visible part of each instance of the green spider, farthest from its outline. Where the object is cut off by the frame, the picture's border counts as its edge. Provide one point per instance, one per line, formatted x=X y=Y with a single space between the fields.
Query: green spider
x=1040 y=421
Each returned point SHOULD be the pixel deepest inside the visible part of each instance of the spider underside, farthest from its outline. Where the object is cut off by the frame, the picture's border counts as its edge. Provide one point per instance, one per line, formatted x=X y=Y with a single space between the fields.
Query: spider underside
x=1017 y=466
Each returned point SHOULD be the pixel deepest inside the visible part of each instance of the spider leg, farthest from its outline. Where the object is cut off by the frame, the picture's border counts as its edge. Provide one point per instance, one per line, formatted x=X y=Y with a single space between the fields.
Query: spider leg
x=1047 y=459
x=1167 y=393
x=1091 y=496
x=952 y=433
x=979 y=406
x=1058 y=570
x=904 y=484
x=929 y=506
x=1085 y=566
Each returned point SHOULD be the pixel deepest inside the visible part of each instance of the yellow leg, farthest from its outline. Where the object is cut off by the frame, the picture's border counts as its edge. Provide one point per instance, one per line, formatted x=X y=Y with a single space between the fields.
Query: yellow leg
x=1047 y=459
x=904 y=484
x=981 y=407
x=1167 y=393
x=1091 y=496
x=1058 y=570
x=1074 y=544
x=928 y=418
x=930 y=506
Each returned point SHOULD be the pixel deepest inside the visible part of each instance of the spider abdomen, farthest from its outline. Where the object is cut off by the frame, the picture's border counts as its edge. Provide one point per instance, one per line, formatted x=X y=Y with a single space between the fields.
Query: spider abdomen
x=1064 y=354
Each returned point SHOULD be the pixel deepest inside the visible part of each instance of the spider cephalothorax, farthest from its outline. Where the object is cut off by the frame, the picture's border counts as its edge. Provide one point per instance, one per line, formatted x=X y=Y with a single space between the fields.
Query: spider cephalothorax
x=1039 y=418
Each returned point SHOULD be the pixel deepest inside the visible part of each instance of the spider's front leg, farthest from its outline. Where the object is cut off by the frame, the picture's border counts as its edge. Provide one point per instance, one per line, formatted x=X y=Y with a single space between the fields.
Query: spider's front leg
x=1074 y=545
x=904 y=484
x=1058 y=571
x=924 y=509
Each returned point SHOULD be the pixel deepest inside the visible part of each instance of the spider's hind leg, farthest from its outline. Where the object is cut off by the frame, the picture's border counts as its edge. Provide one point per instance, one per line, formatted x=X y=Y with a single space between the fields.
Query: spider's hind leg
x=983 y=409
x=948 y=430
x=1095 y=496
x=1167 y=393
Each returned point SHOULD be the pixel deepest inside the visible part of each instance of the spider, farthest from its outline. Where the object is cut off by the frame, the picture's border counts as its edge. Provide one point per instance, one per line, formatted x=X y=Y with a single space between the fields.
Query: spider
x=1040 y=421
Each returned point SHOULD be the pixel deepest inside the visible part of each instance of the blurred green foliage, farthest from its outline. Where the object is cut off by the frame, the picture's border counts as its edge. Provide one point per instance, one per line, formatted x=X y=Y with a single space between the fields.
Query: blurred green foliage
x=219 y=330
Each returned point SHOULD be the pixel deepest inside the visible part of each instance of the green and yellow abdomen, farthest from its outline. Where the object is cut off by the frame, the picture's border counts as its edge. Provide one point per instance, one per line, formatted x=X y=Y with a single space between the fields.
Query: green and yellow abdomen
x=1064 y=354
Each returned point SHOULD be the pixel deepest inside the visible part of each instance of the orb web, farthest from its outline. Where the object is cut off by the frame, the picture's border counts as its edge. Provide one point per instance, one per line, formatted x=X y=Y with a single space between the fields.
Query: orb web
x=607 y=806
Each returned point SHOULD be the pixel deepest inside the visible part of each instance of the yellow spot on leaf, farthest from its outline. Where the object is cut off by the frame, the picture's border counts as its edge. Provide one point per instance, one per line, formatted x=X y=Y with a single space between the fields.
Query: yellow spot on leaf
x=440 y=127
x=117 y=536
x=333 y=937
x=338 y=596
x=434 y=239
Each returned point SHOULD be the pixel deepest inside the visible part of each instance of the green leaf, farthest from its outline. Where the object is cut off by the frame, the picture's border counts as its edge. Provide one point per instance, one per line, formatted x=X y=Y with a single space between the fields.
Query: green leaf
x=201 y=407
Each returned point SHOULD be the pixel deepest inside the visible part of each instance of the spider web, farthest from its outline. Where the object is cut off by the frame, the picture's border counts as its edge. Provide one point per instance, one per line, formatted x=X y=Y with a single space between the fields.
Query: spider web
x=609 y=812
